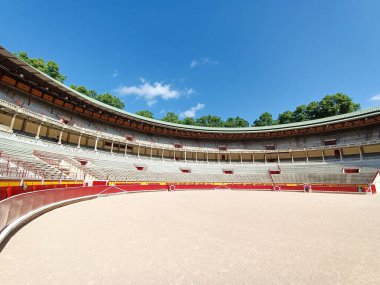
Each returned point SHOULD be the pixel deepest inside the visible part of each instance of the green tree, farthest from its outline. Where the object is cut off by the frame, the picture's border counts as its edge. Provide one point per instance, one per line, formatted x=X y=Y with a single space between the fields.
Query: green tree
x=50 y=68
x=145 y=113
x=209 y=121
x=84 y=91
x=188 y=121
x=337 y=104
x=285 y=117
x=313 y=110
x=300 y=115
x=171 y=117
x=111 y=100
x=105 y=98
x=265 y=119
x=236 y=122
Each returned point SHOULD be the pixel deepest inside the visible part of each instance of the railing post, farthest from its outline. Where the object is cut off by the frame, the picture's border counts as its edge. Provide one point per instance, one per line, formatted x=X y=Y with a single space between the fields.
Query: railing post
x=12 y=123
x=38 y=131
x=60 y=137
x=79 y=139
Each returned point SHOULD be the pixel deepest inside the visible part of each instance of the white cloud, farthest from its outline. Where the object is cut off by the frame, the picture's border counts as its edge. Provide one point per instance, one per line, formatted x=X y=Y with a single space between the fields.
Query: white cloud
x=192 y=111
x=194 y=63
x=375 y=98
x=203 y=61
x=115 y=73
x=152 y=92
x=189 y=91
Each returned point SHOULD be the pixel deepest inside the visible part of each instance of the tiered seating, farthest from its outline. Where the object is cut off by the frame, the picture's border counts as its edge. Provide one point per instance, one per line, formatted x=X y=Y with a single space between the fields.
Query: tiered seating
x=325 y=178
x=46 y=159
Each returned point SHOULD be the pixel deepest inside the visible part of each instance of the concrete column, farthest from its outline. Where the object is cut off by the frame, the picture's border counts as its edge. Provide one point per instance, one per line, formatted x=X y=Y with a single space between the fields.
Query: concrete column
x=196 y=155
x=79 y=139
x=162 y=154
x=241 y=157
x=174 y=154
x=307 y=157
x=185 y=155
x=291 y=153
x=138 y=151
x=253 y=157
x=96 y=144
x=265 y=157
x=126 y=149
x=38 y=131
x=151 y=150
x=323 y=155
x=219 y=156
x=360 y=153
x=112 y=146
x=207 y=156
x=12 y=123
x=230 y=157
x=60 y=137
x=341 y=156
x=278 y=157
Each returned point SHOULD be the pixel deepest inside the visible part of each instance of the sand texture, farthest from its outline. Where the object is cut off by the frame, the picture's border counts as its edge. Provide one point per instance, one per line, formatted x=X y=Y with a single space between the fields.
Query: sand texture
x=201 y=237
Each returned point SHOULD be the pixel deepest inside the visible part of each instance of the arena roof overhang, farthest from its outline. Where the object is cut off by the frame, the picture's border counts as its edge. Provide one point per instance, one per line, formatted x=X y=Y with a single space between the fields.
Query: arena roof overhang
x=11 y=65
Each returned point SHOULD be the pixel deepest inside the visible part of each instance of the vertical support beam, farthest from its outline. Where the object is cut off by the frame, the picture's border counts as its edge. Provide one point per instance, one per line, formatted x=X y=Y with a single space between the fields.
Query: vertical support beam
x=38 y=131
x=207 y=156
x=341 y=155
x=162 y=154
x=230 y=156
x=218 y=156
x=196 y=155
x=151 y=151
x=360 y=153
x=241 y=157
x=60 y=137
x=185 y=155
x=96 y=144
x=126 y=149
x=278 y=157
x=12 y=123
x=112 y=146
x=138 y=150
x=174 y=154
x=323 y=155
x=291 y=153
x=307 y=157
x=79 y=139
x=265 y=156
x=253 y=157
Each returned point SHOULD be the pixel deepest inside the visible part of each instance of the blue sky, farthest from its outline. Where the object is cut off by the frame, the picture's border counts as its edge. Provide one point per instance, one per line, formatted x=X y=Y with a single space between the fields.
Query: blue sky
x=226 y=58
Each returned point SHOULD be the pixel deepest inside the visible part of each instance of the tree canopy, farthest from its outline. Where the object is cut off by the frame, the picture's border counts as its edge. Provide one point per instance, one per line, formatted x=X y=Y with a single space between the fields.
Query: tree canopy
x=171 y=117
x=265 y=119
x=105 y=98
x=145 y=113
x=330 y=105
x=51 y=68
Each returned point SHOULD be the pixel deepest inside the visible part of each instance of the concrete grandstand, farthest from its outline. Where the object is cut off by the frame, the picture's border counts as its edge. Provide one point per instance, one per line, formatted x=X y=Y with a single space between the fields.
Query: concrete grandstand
x=52 y=134
x=59 y=147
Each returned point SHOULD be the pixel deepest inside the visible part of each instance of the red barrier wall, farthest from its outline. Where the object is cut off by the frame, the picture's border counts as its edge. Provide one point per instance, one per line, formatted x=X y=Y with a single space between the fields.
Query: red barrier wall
x=19 y=205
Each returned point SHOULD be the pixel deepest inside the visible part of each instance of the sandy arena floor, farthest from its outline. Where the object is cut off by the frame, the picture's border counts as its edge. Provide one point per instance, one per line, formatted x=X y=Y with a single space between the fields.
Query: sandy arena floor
x=204 y=237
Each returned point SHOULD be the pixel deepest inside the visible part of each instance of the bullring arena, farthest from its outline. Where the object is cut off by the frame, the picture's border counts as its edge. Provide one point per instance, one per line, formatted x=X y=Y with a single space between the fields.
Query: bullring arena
x=94 y=194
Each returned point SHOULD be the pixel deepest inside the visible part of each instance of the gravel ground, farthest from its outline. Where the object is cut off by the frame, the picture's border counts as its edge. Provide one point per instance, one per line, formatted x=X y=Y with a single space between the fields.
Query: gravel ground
x=201 y=237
